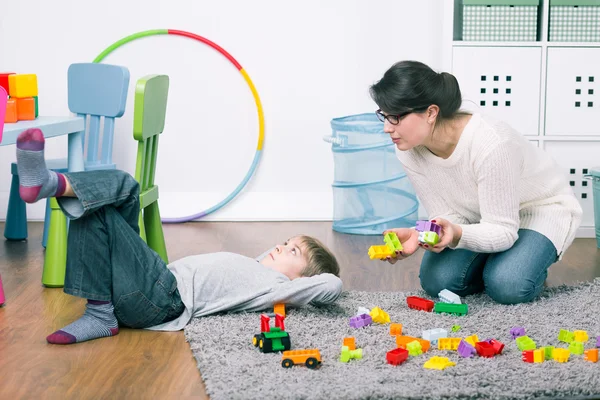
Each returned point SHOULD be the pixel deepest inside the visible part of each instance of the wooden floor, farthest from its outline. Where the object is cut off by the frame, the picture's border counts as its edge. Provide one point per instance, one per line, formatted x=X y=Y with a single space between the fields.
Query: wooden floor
x=140 y=364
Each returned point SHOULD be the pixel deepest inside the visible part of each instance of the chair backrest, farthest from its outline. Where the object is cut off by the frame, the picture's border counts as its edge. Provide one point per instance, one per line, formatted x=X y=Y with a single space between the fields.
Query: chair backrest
x=100 y=92
x=150 y=108
x=3 y=101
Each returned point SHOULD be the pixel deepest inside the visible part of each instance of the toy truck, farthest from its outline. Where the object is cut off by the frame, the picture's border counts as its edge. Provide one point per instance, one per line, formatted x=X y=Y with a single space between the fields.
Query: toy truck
x=272 y=339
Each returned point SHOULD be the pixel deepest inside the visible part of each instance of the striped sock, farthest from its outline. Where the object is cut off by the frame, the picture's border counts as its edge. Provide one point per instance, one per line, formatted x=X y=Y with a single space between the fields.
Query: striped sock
x=36 y=181
x=97 y=321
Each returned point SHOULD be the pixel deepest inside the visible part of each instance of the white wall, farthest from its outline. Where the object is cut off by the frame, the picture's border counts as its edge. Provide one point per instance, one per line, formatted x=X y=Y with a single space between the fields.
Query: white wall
x=310 y=61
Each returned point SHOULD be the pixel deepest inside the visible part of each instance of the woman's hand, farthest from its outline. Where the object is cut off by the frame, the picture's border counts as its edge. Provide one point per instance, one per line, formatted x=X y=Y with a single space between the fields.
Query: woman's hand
x=449 y=235
x=409 y=238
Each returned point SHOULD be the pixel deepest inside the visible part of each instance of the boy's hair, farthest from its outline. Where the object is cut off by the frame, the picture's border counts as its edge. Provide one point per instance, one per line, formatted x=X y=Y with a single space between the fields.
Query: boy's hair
x=319 y=258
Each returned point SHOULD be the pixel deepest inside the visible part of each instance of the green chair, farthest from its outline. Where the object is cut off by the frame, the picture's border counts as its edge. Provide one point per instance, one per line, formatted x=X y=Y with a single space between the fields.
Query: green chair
x=148 y=123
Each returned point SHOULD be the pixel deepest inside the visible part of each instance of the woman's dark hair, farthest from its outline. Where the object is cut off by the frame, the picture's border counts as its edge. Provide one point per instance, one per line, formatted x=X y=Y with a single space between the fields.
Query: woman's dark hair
x=412 y=85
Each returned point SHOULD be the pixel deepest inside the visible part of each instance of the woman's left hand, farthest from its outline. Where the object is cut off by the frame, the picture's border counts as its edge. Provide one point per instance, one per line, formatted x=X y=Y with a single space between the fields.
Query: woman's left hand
x=450 y=235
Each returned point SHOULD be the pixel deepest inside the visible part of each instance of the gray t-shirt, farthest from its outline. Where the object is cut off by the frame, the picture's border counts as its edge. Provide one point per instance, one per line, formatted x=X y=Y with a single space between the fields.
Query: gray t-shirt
x=218 y=282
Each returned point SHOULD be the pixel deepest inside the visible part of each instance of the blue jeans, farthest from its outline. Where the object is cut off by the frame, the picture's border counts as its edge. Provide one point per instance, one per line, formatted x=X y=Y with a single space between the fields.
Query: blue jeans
x=106 y=257
x=513 y=276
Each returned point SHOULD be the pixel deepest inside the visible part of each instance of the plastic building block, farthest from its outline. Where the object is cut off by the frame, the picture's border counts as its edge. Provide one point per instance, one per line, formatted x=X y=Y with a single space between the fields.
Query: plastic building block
x=22 y=85
x=576 y=348
x=466 y=350
x=419 y=303
x=434 y=334
x=561 y=355
x=309 y=357
x=456 y=309
x=597 y=341
x=485 y=349
x=380 y=252
x=581 y=336
x=392 y=241
x=350 y=342
x=11 y=111
x=414 y=348
x=403 y=341
x=517 y=331
x=25 y=109
x=548 y=350
x=527 y=356
x=472 y=340
x=280 y=309
x=447 y=343
x=440 y=363
x=455 y=328
x=272 y=339
x=396 y=356
x=538 y=356
x=591 y=355
x=395 y=329
x=425 y=226
x=379 y=316
x=362 y=310
x=348 y=354
x=497 y=345
x=566 y=336
x=447 y=296
x=4 y=80
x=430 y=238
x=361 y=321
x=525 y=343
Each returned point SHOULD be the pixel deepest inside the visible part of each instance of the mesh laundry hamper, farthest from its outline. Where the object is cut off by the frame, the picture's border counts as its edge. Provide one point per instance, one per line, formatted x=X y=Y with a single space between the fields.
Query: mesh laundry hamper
x=371 y=191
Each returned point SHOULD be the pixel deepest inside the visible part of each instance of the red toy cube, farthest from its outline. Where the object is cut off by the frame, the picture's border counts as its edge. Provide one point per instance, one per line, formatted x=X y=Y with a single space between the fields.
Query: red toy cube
x=419 y=303
x=527 y=356
x=4 y=79
x=485 y=349
x=498 y=346
x=396 y=356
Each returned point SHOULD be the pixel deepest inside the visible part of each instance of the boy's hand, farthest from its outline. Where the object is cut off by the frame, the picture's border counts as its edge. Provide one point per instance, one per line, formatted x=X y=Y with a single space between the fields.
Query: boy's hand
x=409 y=238
x=450 y=235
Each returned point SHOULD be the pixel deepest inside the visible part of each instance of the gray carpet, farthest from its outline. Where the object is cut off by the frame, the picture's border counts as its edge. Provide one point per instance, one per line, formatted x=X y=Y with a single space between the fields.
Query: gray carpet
x=233 y=369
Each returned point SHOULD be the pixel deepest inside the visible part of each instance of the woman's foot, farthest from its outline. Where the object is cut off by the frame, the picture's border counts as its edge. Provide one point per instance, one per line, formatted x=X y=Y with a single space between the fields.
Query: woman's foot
x=98 y=321
x=35 y=180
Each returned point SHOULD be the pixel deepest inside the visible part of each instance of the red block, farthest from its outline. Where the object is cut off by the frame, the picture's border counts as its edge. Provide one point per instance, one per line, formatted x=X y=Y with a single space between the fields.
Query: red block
x=419 y=303
x=485 y=349
x=396 y=356
x=4 y=79
x=498 y=346
x=527 y=356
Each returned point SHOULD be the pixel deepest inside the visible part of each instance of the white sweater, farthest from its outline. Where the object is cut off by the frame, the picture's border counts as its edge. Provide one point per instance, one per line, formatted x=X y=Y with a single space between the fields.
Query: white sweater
x=494 y=183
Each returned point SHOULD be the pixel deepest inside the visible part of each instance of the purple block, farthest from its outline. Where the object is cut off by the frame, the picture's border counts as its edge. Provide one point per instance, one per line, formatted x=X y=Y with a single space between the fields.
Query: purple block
x=466 y=350
x=517 y=331
x=597 y=341
x=425 y=226
x=361 y=321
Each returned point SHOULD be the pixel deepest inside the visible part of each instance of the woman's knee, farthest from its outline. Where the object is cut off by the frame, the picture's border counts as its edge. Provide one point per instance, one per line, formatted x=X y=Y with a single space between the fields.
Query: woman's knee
x=438 y=272
x=511 y=289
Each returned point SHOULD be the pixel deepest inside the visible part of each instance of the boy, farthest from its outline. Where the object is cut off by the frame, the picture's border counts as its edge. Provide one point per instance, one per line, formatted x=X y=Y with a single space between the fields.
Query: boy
x=127 y=283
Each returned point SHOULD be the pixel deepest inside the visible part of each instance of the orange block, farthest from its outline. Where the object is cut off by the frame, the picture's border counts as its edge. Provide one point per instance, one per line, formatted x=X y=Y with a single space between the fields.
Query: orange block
x=402 y=341
x=395 y=329
x=591 y=355
x=25 y=109
x=280 y=309
x=11 y=112
x=350 y=342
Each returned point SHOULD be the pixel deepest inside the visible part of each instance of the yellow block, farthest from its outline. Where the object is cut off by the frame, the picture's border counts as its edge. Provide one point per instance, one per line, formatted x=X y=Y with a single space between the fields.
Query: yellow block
x=379 y=316
x=436 y=362
x=538 y=356
x=448 y=343
x=22 y=85
x=472 y=340
x=581 y=336
x=380 y=252
x=561 y=355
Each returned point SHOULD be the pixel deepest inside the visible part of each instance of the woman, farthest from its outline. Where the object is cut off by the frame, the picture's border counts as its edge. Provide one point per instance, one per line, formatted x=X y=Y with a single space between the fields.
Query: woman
x=506 y=210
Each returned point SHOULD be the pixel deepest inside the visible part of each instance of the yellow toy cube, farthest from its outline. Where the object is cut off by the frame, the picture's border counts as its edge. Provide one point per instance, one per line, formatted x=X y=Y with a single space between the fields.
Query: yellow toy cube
x=539 y=355
x=561 y=355
x=581 y=336
x=472 y=340
x=22 y=85
x=381 y=252
x=379 y=316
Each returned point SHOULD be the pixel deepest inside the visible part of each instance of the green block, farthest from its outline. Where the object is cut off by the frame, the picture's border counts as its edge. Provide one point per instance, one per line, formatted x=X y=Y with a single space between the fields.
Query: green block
x=456 y=309
x=414 y=348
x=36 y=106
x=430 y=237
x=392 y=241
x=548 y=350
x=525 y=343
x=566 y=336
x=455 y=328
x=576 y=348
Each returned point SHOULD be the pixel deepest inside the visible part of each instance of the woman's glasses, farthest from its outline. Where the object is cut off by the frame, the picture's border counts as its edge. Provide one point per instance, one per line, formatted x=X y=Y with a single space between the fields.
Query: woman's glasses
x=395 y=119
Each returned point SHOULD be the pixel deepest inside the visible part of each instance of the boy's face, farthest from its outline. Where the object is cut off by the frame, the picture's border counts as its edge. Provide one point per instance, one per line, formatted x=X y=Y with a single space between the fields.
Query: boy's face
x=289 y=258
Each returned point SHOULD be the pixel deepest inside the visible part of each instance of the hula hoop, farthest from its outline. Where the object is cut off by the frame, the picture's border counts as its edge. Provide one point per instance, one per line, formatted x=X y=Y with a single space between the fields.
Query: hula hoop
x=261 y=118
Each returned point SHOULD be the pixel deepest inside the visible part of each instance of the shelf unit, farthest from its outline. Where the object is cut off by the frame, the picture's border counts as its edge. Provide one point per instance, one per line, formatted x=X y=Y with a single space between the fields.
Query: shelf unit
x=549 y=91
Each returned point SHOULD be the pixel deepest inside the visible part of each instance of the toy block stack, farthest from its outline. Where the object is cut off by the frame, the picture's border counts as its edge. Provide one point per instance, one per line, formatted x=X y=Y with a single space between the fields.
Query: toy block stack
x=429 y=232
x=22 y=89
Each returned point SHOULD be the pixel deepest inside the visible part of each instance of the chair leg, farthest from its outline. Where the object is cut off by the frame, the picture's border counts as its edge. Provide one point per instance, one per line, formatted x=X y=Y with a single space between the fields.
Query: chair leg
x=46 y=223
x=16 y=215
x=154 y=231
x=55 y=262
x=142 y=227
x=2 y=299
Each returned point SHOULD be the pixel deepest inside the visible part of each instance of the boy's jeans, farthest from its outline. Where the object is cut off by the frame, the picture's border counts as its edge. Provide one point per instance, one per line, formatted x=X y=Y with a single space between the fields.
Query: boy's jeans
x=106 y=257
x=513 y=276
